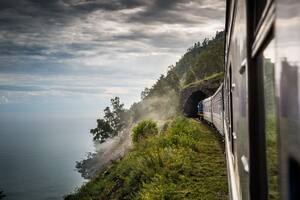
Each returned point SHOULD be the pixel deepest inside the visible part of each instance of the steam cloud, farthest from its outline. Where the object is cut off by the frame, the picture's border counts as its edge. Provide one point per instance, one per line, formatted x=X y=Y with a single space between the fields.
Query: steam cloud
x=157 y=108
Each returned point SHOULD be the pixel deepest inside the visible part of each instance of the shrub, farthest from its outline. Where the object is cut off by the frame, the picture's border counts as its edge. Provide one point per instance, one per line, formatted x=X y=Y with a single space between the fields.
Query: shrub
x=144 y=129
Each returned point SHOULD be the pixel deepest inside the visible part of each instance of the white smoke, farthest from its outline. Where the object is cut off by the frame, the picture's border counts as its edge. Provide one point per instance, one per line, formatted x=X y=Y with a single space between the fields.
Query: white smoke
x=157 y=108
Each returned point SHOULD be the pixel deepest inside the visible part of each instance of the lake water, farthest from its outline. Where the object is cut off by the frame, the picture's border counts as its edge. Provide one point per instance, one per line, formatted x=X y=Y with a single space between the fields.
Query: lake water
x=37 y=157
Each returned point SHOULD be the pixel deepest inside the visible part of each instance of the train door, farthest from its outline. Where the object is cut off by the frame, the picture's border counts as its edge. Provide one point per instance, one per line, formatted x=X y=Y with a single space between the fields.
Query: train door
x=231 y=129
x=239 y=93
x=229 y=110
x=237 y=57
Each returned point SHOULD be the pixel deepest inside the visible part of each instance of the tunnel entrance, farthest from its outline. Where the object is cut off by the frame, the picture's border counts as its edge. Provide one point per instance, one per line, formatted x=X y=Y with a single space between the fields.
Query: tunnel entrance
x=190 y=106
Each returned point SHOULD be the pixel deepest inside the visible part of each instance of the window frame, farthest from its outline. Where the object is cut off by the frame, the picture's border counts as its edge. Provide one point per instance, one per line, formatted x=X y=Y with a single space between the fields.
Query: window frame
x=258 y=37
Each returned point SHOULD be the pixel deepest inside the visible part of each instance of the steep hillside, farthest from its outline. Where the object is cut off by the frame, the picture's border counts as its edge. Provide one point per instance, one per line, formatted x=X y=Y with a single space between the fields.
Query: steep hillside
x=200 y=61
x=185 y=161
x=203 y=61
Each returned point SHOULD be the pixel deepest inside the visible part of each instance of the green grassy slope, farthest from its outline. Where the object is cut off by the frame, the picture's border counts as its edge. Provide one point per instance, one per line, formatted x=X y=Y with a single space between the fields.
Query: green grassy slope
x=183 y=162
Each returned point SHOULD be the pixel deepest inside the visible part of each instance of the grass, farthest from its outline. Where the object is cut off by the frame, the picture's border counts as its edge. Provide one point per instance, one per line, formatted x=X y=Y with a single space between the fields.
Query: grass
x=144 y=129
x=183 y=162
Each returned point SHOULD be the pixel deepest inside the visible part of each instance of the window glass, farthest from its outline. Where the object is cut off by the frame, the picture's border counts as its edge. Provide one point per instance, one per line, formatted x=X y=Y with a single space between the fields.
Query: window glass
x=270 y=120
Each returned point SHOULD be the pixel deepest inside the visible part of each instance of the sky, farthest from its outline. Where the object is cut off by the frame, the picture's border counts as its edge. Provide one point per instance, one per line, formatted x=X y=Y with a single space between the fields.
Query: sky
x=67 y=58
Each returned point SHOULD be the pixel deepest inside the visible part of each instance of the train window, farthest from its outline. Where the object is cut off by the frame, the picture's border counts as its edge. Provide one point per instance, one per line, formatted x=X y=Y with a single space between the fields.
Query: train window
x=270 y=120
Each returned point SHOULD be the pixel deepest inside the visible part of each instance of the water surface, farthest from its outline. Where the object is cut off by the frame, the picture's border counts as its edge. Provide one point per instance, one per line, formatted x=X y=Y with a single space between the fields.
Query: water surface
x=37 y=156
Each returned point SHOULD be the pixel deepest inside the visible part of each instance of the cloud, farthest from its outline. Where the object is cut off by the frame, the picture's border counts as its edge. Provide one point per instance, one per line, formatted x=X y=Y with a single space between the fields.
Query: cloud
x=62 y=29
x=89 y=48
x=19 y=88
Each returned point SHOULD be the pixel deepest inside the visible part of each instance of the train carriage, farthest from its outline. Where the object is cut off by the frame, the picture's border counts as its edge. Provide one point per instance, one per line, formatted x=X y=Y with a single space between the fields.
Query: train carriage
x=207 y=115
x=217 y=110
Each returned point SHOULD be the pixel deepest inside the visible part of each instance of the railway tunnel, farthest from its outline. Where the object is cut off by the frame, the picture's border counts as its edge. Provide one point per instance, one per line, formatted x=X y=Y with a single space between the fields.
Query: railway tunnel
x=190 y=105
x=191 y=95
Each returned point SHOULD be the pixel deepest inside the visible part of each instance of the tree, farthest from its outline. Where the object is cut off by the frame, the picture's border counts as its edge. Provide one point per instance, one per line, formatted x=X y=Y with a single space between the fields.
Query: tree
x=102 y=131
x=190 y=77
x=205 y=42
x=172 y=79
x=113 y=122
x=145 y=93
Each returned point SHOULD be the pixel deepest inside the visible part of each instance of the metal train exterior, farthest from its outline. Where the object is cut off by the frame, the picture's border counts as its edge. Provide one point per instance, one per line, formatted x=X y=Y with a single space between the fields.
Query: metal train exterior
x=211 y=110
x=260 y=99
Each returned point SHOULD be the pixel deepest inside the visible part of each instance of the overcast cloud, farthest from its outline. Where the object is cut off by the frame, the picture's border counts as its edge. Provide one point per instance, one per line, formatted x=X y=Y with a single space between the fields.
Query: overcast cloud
x=73 y=55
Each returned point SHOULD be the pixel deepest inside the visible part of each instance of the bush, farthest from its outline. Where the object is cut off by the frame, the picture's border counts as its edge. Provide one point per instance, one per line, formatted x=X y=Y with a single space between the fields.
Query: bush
x=144 y=129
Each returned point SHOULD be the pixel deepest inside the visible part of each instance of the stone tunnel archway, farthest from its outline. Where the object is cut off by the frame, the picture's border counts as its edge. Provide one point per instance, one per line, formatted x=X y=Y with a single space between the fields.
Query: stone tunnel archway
x=191 y=95
x=190 y=105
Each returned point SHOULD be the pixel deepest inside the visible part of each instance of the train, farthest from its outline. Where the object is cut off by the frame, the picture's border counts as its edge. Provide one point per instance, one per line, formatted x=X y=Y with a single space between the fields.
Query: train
x=256 y=108
x=211 y=110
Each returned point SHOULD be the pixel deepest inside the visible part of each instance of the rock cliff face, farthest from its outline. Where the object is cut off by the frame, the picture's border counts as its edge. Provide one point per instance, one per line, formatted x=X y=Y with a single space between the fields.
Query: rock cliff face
x=192 y=94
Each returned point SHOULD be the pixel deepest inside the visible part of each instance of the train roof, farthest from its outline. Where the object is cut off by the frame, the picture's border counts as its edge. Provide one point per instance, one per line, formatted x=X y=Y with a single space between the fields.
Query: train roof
x=207 y=99
x=218 y=90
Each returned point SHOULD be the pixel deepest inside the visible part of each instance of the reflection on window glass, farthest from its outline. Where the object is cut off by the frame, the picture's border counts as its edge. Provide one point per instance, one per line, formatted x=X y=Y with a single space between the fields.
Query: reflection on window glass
x=270 y=120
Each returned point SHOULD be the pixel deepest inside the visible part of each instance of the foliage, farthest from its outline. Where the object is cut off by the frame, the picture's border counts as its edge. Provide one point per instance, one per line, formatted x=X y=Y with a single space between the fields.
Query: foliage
x=113 y=122
x=201 y=60
x=145 y=93
x=217 y=77
x=143 y=129
x=163 y=85
x=190 y=77
x=184 y=162
x=102 y=131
